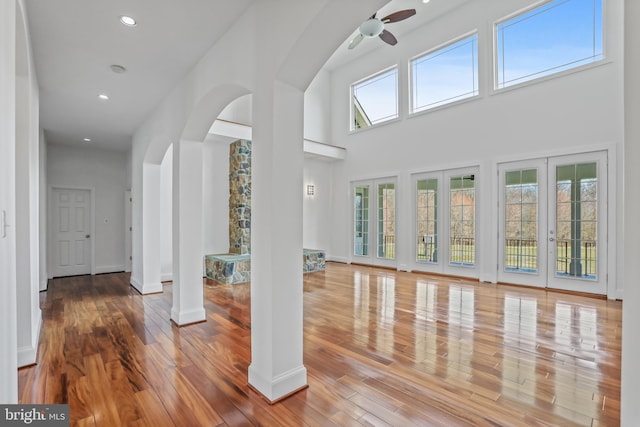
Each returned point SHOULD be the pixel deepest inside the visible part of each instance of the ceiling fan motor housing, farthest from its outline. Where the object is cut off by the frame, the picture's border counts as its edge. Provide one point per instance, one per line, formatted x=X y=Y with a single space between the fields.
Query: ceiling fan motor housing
x=371 y=27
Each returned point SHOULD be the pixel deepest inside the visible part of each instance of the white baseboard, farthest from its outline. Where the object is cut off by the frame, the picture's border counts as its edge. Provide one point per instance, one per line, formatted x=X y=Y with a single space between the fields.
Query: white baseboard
x=279 y=386
x=404 y=267
x=187 y=317
x=340 y=259
x=43 y=284
x=27 y=355
x=167 y=277
x=109 y=268
x=145 y=288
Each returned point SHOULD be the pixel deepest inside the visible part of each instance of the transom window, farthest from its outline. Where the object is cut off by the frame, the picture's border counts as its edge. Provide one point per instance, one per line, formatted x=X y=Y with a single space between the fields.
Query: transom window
x=445 y=75
x=375 y=99
x=557 y=36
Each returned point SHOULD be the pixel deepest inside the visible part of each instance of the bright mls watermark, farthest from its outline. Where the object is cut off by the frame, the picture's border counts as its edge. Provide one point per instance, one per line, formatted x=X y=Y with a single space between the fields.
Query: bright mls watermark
x=34 y=415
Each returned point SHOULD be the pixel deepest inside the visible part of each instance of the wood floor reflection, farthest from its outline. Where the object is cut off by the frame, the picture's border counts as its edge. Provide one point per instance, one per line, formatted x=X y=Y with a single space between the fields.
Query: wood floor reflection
x=381 y=348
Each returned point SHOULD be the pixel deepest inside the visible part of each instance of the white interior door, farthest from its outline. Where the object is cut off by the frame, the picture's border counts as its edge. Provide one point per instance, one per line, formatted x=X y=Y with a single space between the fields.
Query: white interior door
x=71 y=232
x=553 y=222
x=578 y=223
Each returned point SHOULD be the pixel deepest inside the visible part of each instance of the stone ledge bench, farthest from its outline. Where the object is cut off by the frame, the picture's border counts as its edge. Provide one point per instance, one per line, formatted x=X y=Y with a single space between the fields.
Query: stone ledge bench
x=230 y=269
x=313 y=260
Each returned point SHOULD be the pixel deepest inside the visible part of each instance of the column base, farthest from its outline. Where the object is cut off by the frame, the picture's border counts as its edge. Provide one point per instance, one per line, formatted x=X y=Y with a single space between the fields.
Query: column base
x=146 y=288
x=280 y=387
x=183 y=318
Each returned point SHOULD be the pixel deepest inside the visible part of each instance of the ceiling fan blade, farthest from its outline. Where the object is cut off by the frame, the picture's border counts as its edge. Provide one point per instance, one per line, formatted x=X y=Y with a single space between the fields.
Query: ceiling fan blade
x=399 y=16
x=356 y=41
x=389 y=38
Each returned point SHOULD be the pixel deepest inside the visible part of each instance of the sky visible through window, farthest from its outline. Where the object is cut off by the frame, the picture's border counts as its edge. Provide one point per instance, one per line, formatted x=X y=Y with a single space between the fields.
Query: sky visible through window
x=377 y=97
x=445 y=75
x=557 y=36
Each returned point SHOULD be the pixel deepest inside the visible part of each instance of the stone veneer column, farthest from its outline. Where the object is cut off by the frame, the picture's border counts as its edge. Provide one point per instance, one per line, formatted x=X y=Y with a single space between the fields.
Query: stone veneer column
x=240 y=197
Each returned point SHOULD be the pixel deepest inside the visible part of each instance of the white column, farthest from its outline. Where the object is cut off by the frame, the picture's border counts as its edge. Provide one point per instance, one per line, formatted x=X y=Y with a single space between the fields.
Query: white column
x=8 y=322
x=630 y=410
x=147 y=278
x=276 y=368
x=188 y=299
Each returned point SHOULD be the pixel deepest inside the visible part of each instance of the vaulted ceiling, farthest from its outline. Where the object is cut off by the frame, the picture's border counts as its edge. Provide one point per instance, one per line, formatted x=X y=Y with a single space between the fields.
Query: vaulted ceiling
x=76 y=43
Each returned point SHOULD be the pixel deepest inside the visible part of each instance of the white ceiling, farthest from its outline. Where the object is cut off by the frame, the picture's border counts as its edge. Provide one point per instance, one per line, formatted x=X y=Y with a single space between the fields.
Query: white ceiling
x=425 y=13
x=76 y=41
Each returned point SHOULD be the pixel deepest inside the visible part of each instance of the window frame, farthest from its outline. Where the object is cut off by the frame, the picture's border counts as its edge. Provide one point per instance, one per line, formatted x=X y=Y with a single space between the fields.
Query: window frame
x=552 y=75
x=352 y=127
x=444 y=104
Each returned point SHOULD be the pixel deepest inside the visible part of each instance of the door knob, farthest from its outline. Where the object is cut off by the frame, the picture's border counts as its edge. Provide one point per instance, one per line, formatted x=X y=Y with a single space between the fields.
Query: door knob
x=551 y=239
x=87 y=236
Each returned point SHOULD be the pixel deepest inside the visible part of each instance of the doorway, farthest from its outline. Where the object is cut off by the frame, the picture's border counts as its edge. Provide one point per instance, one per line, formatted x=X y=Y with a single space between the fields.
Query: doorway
x=553 y=222
x=71 y=225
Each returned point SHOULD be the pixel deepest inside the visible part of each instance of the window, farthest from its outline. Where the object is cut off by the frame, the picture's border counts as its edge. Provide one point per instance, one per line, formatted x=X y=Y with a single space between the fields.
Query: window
x=387 y=220
x=521 y=221
x=462 y=224
x=445 y=75
x=577 y=220
x=374 y=100
x=361 y=221
x=427 y=220
x=554 y=37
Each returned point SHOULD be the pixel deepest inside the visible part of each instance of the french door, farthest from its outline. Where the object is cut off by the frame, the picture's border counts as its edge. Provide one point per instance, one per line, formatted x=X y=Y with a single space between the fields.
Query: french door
x=374 y=222
x=553 y=222
x=445 y=217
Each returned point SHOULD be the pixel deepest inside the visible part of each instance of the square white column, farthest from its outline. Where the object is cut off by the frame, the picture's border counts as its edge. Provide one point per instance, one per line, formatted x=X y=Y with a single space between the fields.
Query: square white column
x=277 y=369
x=188 y=298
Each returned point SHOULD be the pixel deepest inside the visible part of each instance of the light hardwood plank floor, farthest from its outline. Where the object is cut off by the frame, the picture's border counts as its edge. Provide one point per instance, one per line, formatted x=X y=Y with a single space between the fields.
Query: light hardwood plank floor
x=381 y=348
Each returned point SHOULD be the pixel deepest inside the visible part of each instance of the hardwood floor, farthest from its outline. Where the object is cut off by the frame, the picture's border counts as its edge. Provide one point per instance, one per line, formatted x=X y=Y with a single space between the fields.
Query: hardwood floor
x=381 y=348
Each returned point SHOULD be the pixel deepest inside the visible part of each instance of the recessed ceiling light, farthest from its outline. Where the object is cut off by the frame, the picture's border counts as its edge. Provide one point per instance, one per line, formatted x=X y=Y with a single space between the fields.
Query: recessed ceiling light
x=118 y=69
x=128 y=21
x=86 y=139
x=103 y=96
x=425 y=1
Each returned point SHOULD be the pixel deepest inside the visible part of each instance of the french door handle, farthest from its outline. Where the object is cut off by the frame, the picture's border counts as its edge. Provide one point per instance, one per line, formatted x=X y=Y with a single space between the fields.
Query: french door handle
x=87 y=236
x=551 y=239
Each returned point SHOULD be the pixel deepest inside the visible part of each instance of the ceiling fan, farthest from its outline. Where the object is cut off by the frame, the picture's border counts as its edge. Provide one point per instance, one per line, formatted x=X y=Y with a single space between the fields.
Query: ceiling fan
x=373 y=27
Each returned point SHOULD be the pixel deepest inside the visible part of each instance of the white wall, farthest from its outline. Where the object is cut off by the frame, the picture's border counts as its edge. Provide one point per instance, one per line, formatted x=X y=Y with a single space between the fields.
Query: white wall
x=215 y=197
x=316 y=209
x=8 y=315
x=105 y=173
x=43 y=211
x=572 y=113
x=27 y=196
x=317 y=109
x=630 y=410
x=166 y=216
